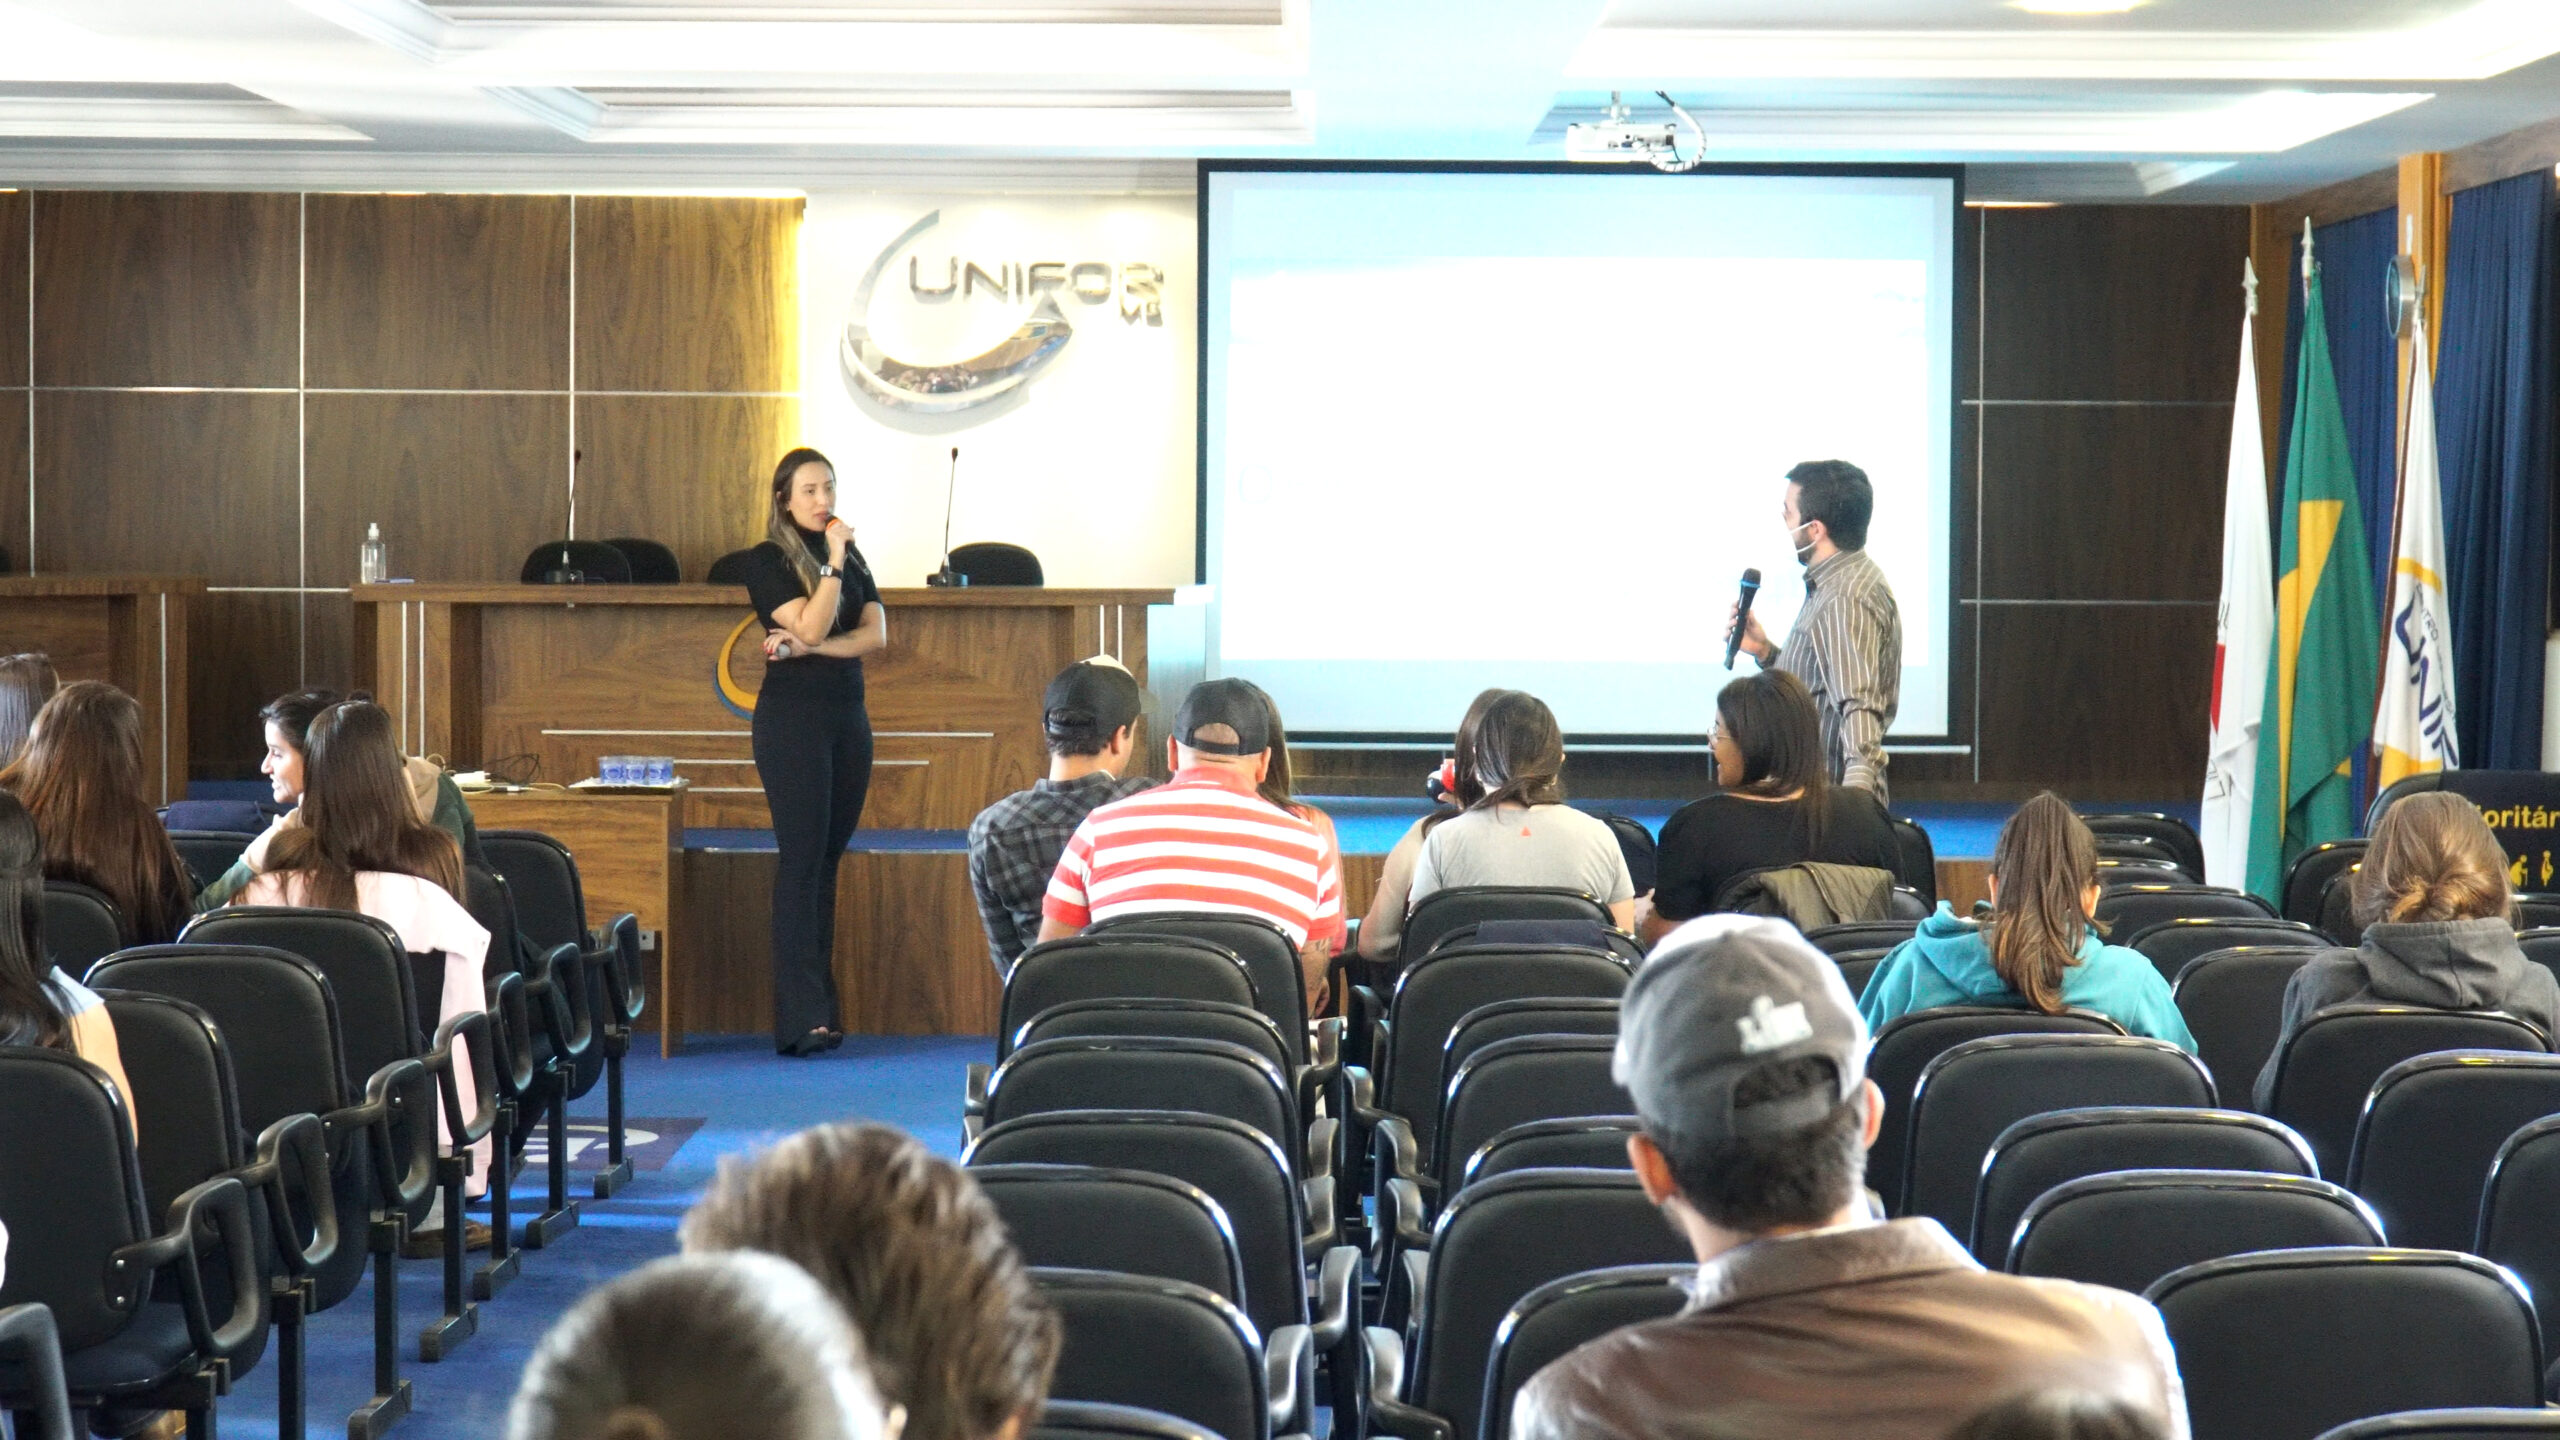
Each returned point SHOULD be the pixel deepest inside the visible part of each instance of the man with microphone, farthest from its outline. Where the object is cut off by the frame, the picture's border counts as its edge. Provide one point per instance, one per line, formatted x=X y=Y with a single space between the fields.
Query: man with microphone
x=1847 y=642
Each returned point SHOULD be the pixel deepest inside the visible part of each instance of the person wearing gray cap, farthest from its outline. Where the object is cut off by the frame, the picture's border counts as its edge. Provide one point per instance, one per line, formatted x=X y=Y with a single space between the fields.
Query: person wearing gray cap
x=1808 y=1318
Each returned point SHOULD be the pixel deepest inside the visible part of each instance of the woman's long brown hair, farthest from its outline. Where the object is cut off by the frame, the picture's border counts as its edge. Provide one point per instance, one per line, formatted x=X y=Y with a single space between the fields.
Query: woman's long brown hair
x=1470 y=783
x=1772 y=720
x=28 y=1007
x=356 y=813
x=2044 y=861
x=81 y=778
x=2433 y=858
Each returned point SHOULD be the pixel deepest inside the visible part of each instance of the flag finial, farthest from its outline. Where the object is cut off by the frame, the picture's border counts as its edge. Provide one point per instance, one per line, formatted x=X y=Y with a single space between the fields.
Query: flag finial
x=2306 y=249
x=2249 y=282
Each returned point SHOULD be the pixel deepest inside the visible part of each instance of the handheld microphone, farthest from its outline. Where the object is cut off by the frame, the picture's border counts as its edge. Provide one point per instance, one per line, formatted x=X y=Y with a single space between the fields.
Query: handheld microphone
x=1741 y=615
x=950 y=489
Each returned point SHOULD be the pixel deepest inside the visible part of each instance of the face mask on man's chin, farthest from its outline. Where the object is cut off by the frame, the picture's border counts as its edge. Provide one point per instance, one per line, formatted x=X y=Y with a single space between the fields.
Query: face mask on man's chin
x=1804 y=549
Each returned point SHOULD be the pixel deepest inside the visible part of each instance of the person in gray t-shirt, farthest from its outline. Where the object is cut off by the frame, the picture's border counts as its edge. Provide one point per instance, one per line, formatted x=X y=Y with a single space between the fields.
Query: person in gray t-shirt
x=1521 y=832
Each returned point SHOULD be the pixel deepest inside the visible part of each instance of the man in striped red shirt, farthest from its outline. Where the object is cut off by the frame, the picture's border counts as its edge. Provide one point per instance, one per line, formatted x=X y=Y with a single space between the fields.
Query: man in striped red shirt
x=1205 y=840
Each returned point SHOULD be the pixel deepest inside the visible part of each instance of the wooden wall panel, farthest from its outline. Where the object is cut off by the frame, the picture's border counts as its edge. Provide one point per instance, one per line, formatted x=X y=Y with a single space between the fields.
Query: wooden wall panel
x=686 y=470
x=13 y=286
x=443 y=292
x=2112 y=302
x=462 y=485
x=13 y=480
x=242 y=651
x=2103 y=502
x=688 y=294
x=2102 y=702
x=166 y=288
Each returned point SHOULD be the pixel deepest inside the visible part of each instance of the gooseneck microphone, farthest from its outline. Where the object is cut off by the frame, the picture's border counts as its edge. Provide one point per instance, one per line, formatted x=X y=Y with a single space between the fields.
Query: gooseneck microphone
x=951 y=488
x=1741 y=615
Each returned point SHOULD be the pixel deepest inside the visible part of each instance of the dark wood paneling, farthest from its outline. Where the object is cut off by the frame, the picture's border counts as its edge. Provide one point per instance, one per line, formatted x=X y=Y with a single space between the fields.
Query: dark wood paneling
x=166 y=288
x=449 y=292
x=242 y=651
x=910 y=958
x=328 y=641
x=188 y=484
x=13 y=286
x=687 y=471
x=462 y=485
x=13 y=480
x=2101 y=702
x=688 y=294
x=2103 y=502
x=2106 y=302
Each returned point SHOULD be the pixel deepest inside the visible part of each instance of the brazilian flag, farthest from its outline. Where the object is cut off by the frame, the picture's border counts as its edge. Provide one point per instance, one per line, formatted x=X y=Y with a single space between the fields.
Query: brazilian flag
x=2328 y=640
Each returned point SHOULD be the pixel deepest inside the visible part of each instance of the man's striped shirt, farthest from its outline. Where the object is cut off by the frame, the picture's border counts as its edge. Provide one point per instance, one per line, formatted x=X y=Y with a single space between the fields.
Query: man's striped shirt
x=1847 y=649
x=1202 y=841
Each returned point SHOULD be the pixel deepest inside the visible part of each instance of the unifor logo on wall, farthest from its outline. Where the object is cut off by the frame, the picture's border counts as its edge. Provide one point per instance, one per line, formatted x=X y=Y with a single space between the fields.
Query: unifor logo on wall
x=1133 y=289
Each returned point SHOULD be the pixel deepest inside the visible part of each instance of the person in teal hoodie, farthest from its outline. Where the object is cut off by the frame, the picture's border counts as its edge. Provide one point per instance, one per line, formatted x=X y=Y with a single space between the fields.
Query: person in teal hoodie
x=2038 y=950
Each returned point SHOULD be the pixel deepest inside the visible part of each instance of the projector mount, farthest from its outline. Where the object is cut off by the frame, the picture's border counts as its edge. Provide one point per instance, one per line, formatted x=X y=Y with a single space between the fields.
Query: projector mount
x=1616 y=138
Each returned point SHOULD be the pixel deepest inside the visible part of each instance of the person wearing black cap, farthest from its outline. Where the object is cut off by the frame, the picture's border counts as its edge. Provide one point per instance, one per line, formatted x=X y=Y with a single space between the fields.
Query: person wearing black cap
x=1090 y=716
x=1206 y=840
x=1808 y=1318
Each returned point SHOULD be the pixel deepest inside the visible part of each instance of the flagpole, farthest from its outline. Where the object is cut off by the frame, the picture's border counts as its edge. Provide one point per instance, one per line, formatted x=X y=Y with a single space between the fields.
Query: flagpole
x=2390 y=577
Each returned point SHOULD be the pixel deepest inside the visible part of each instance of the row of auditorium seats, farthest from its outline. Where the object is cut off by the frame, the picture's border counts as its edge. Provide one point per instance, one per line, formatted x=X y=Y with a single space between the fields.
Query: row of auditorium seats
x=170 y=1251
x=632 y=561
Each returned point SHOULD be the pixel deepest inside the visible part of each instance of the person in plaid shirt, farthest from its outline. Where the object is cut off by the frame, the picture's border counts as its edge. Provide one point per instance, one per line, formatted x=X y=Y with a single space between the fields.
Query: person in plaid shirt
x=1090 y=715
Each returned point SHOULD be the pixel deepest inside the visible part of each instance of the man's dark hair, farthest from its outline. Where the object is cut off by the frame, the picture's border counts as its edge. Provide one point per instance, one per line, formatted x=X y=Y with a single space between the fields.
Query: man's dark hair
x=1756 y=1183
x=1837 y=494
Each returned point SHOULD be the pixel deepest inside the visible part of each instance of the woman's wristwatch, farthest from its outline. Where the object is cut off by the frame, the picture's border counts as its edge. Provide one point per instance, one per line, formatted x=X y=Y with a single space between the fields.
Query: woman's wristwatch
x=828 y=572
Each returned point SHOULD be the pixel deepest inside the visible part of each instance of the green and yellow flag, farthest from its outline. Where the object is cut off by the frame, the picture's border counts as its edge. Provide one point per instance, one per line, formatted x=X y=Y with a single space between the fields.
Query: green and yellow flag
x=2328 y=640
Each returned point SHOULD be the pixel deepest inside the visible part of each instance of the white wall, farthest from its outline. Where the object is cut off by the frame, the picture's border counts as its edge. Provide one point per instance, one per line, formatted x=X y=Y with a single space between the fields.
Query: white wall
x=1091 y=466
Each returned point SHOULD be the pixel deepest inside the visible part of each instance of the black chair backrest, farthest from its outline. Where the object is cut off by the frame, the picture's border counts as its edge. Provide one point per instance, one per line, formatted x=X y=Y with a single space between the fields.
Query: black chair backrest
x=2043 y=1151
x=1972 y=1093
x=2535 y=911
x=1577 y=1142
x=368 y=972
x=71 y=1193
x=1086 y=967
x=1080 y=1217
x=1145 y=1072
x=2116 y=871
x=2541 y=945
x=1086 y=1420
x=993 y=562
x=1231 y=1162
x=1515 y=1081
x=1636 y=846
x=1574 y=934
x=2169 y=832
x=1854 y=935
x=2516 y=1206
x=81 y=926
x=210 y=852
x=1552 y=1320
x=2431 y=1129
x=2171 y=944
x=1444 y=987
x=1268 y=954
x=2233 y=1003
x=1442 y=911
x=732 y=568
x=2292 y=1342
x=1499 y=1240
x=2325 y=1070
x=2469 y=1422
x=651 y=562
x=186 y=1106
x=2134 y=847
x=542 y=879
x=2338 y=910
x=575 y=562
x=2128 y=1228
x=2306 y=880
x=31 y=1354
x=1855 y=973
x=2133 y=908
x=1906 y=1045
x=1195 y=1019
x=1158 y=1344
x=1508 y=1019
x=1917 y=865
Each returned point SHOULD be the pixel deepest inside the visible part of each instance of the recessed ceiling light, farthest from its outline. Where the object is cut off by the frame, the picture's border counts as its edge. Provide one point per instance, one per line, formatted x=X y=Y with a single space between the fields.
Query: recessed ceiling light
x=2078 y=7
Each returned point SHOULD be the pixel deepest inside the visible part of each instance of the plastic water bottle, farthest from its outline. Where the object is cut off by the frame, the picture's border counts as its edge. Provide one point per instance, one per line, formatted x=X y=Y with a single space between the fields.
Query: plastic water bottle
x=373 y=561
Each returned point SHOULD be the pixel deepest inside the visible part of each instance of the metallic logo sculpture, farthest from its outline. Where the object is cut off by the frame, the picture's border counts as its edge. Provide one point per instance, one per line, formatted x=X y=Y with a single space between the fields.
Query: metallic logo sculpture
x=955 y=385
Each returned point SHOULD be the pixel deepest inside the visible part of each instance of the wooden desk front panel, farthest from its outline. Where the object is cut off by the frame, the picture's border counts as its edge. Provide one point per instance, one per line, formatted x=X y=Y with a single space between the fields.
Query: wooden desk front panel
x=910 y=958
x=135 y=642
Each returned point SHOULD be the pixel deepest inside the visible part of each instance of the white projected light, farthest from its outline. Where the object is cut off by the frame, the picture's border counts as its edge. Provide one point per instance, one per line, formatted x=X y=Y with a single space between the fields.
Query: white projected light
x=1479 y=428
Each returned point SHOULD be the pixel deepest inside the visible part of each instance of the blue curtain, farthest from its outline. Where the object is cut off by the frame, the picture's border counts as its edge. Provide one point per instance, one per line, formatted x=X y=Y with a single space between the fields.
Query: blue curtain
x=2494 y=435
x=2354 y=256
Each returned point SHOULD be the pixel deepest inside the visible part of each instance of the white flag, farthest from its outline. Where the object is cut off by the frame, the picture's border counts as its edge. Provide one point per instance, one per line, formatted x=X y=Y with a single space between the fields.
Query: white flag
x=2243 y=632
x=2413 y=724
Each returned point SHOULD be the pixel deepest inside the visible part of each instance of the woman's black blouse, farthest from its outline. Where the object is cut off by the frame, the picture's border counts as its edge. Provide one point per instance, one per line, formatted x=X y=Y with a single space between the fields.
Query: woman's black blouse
x=772 y=583
x=1708 y=843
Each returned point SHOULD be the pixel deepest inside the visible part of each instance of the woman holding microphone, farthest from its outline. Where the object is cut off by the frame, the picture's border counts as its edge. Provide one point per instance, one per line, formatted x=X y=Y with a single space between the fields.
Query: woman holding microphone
x=822 y=614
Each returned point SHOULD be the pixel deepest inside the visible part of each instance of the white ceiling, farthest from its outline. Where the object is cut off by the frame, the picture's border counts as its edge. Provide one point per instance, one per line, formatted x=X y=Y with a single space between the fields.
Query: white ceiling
x=2177 y=99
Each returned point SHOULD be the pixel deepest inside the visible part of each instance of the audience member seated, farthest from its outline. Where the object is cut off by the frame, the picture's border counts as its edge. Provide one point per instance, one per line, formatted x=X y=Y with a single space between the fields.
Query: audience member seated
x=81 y=778
x=917 y=1257
x=26 y=682
x=1777 y=805
x=1278 y=787
x=286 y=723
x=360 y=845
x=2040 y=947
x=39 y=1005
x=2060 y=1415
x=1382 y=929
x=1808 y=1319
x=1520 y=831
x=702 y=1347
x=1090 y=715
x=2434 y=897
x=1206 y=840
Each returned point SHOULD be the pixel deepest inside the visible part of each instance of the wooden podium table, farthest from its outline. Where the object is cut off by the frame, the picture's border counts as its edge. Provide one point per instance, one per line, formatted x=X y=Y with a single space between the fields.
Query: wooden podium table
x=128 y=630
x=480 y=674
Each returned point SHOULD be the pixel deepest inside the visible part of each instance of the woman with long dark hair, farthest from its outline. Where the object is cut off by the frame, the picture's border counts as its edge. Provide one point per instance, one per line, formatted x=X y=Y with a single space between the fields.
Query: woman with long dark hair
x=81 y=778
x=26 y=682
x=1519 y=831
x=39 y=1005
x=822 y=613
x=1382 y=929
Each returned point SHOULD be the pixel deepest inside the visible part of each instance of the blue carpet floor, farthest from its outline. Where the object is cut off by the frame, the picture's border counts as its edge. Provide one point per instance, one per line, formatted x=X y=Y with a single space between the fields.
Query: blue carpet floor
x=747 y=1097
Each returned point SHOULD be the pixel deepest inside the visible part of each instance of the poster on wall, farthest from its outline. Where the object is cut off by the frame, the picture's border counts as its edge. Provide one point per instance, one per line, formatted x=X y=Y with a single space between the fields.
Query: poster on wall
x=1049 y=338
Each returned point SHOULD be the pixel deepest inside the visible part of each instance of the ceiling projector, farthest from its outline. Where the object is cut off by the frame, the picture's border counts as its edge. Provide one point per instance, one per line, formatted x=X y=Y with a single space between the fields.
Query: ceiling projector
x=1617 y=139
